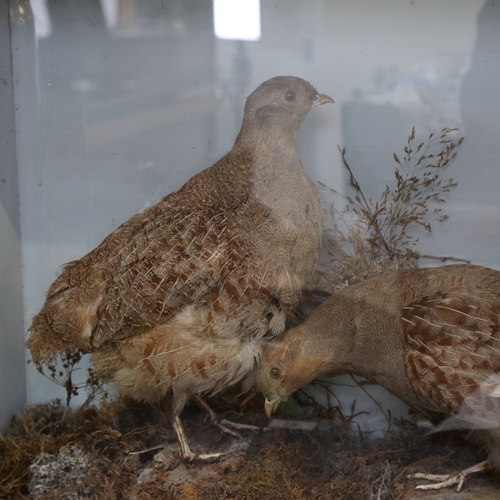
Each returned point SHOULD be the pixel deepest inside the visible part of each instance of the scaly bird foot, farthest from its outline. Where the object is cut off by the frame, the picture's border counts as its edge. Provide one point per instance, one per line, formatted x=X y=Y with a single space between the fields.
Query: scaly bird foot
x=224 y=424
x=445 y=480
x=186 y=452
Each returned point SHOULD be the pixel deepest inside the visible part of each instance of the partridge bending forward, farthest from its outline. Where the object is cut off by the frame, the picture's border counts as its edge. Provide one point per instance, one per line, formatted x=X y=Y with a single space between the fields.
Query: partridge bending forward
x=429 y=336
x=180 y=298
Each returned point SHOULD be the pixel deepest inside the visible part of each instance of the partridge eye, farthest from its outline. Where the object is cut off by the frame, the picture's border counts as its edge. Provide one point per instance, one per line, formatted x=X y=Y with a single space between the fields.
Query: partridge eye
x=290 y=95
x=275 y=373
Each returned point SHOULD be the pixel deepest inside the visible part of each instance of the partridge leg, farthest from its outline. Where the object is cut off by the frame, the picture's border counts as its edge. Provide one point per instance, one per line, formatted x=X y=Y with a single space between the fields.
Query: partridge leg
x=187 y=454
x=446 y=480
x=224 y=424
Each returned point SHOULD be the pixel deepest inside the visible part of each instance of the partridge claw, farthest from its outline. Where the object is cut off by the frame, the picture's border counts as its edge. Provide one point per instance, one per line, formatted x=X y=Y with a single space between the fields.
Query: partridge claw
x=445 y=480
x=235 y=425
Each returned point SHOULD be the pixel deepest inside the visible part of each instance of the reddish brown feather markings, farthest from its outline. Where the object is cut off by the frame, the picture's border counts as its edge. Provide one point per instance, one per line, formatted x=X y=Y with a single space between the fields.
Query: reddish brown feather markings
x=450 y=334
x=149 y=367
x=196 y=367
x=232 y=291
x=172 y=372
x=167 y=229
x=421 y=344
x=440 y=375
x=180 y=280
x=251 y=288
x=443 y=388
x=133 y=245
x=210 y=324
x=217 y=306
x=199 y=365
x=148 y=350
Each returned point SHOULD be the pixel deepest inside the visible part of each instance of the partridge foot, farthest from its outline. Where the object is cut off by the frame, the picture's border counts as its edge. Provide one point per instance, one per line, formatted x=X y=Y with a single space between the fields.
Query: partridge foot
x=445 y=480
x=224 y=424
x=186 y=452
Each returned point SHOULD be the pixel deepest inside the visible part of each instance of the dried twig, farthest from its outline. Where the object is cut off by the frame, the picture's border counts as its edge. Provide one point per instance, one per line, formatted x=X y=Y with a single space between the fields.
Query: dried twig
x=369 y=236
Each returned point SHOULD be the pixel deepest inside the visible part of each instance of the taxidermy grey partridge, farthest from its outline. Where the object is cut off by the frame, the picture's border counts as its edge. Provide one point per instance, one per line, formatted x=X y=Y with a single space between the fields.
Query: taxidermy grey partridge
x=180 y=298
x=430 y=336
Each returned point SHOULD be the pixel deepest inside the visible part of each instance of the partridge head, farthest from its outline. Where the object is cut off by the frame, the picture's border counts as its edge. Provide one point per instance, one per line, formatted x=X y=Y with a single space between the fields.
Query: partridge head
x=179 y=299
x=429 y=336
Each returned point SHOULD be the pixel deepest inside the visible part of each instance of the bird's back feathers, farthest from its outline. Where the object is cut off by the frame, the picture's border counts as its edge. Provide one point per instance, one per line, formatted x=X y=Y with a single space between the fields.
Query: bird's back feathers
x=180 y=295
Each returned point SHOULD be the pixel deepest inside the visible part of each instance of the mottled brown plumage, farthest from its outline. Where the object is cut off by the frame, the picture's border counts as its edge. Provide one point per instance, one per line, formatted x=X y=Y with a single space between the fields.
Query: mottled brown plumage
x=180 y=297
x=430 y=336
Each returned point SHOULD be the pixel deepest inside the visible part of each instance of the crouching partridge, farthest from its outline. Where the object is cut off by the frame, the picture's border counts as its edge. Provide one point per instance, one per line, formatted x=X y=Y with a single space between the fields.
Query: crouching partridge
x=429 y=336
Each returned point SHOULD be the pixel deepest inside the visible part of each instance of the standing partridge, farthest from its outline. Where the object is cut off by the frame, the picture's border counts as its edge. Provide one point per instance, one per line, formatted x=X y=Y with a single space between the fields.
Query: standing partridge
x=429 y=336
x=180 y=298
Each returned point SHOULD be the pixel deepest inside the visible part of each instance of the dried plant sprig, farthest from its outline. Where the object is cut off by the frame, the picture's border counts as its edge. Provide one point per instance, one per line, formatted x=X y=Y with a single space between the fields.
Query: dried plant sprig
x=63 y=375
x=368 y=236
x=418 y=186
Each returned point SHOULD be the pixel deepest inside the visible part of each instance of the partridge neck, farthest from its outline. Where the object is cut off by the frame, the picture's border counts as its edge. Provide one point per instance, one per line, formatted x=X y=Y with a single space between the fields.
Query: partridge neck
x=355 y=335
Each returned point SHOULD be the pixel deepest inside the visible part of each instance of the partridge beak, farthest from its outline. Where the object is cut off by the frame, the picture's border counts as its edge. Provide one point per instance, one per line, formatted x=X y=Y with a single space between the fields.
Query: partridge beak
x=322 y=99
x=271 y=405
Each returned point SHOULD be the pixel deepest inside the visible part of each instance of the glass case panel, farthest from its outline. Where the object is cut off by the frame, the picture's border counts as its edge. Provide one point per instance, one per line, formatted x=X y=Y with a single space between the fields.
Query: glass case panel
x=119 y=102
